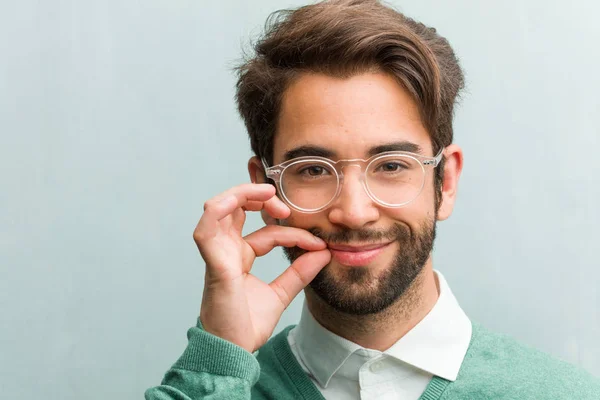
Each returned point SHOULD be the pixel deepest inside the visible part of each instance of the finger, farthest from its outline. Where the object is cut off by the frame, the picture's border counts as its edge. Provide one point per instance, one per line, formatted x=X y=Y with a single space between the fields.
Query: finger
x=298 y=275
x=248 y=188
x=276 y=208
x=254 y=205
x=238 y=219
x=222 y=205
x=266 y=239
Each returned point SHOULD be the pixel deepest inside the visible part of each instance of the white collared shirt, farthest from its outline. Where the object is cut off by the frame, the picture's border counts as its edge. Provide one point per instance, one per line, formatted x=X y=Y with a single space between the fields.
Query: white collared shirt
x=342 y=369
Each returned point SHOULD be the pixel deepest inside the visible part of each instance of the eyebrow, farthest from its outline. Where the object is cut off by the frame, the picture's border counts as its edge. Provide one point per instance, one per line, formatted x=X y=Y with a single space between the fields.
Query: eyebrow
x=308 y=151
x=396 y=146
x=318 y=151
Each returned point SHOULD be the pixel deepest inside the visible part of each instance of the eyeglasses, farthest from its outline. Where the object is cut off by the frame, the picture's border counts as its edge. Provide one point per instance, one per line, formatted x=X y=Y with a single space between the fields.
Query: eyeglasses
x=391 y=179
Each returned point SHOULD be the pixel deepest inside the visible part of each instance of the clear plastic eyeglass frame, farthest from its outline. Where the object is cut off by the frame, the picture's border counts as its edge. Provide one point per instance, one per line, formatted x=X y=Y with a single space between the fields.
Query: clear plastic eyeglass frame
x=276 y=172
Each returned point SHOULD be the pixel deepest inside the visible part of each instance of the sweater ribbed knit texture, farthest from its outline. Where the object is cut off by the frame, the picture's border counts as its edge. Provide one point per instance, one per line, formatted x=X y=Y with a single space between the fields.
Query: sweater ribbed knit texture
x=495 y=367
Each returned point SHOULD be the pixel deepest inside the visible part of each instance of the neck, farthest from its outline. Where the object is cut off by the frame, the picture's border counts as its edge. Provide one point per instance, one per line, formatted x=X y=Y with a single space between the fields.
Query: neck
x=380 y=331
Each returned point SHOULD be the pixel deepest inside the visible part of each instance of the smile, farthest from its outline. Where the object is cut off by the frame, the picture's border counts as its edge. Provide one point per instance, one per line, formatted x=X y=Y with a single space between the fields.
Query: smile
x=354 y=256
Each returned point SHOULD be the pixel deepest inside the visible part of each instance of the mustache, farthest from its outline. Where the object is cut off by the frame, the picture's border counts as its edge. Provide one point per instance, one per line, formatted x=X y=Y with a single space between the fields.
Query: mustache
x=396 y=232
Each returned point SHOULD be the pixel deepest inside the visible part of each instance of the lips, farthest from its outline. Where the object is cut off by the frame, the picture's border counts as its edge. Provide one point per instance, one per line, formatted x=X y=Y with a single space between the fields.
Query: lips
x=358 y=255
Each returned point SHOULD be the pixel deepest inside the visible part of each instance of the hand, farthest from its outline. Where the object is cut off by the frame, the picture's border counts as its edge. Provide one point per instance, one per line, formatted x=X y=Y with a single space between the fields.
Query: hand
x=236 y=305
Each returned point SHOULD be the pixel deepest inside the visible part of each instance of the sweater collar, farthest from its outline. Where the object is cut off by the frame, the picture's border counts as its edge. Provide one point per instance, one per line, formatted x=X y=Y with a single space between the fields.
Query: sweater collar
x=437 y=344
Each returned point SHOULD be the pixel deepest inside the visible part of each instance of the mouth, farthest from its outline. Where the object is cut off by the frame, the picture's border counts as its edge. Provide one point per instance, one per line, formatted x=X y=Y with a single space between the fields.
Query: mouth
x=356 y=255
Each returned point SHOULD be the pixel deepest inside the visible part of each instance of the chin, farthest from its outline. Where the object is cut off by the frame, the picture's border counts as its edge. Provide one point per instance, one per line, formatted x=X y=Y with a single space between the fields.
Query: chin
x=365 y=289
x=358 y=278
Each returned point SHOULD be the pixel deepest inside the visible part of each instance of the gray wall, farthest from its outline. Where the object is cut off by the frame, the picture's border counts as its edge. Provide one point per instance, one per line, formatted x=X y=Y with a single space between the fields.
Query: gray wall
x=117 y=122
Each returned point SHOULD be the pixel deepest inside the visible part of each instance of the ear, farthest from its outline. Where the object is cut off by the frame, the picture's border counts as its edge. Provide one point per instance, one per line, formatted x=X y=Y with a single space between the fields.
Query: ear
x=452 y=169
x=257 y=175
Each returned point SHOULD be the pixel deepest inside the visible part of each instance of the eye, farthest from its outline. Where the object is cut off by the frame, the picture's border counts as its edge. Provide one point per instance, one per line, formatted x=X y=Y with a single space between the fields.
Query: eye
x=392 y=166
x=313 y=170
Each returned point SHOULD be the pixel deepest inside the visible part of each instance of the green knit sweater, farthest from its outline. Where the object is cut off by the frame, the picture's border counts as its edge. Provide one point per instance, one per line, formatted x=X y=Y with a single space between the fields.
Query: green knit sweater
x=495 y=367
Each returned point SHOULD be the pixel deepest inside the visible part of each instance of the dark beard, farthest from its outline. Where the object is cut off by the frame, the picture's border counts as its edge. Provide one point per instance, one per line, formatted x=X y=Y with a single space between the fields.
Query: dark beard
x=390 y=285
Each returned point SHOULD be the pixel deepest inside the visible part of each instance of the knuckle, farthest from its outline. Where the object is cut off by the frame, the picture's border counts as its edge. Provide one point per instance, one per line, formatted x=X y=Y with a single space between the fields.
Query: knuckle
x=299 y=276
x=283 y=295
x=209 y=204
x=199 y=236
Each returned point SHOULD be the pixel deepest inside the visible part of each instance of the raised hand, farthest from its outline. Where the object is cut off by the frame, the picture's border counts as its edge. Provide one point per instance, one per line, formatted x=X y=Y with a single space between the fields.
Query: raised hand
x=236 y=305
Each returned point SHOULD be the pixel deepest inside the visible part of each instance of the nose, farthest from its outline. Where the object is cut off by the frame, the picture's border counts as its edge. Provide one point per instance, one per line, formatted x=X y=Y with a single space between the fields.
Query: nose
x=353 y=209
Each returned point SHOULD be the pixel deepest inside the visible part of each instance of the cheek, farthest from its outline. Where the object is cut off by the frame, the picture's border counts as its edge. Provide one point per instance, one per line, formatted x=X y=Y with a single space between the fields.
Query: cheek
x=413 y=214
x=427 y=199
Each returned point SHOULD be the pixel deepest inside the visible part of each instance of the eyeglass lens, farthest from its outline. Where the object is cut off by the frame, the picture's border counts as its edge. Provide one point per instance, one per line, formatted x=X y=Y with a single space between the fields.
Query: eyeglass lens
x=393 y=180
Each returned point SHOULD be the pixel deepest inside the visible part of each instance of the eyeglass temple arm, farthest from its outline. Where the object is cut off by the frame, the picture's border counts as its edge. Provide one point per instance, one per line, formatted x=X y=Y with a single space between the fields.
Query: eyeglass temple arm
x=264 y=163
x=435 y=160
x=269 y=171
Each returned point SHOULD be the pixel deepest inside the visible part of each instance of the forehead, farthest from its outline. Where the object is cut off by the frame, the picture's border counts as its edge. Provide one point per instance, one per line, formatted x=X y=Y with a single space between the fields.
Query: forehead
x=349 y=117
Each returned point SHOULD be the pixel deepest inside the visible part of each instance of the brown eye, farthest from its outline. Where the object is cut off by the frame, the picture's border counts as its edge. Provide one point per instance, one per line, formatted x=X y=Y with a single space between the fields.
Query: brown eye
x=313 y=170
x=391 y=166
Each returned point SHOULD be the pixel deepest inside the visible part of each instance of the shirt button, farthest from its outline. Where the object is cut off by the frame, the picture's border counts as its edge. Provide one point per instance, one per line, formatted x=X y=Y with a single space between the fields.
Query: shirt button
x=376 y=366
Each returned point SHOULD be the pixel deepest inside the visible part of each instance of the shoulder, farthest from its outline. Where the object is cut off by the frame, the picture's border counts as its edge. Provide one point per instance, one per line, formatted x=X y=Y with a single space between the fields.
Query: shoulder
x=498 y=366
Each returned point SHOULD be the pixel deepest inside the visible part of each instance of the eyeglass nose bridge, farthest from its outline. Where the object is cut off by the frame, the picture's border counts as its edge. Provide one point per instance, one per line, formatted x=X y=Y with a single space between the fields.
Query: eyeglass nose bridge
x=361 y=165
x=350 y=163
x=355 y=162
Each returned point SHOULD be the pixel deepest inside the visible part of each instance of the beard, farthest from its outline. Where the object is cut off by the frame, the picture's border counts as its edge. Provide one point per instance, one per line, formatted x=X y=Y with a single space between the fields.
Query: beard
x=356 y=290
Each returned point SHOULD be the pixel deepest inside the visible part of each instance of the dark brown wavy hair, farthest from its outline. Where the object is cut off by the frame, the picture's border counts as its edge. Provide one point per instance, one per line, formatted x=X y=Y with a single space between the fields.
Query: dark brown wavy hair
x=343 y=38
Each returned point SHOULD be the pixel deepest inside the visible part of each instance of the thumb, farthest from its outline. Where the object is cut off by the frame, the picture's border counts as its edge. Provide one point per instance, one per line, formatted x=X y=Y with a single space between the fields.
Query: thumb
x=298 y=275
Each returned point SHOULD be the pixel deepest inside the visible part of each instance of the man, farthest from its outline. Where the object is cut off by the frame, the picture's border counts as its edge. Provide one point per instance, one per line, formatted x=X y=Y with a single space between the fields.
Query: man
x=349 y=106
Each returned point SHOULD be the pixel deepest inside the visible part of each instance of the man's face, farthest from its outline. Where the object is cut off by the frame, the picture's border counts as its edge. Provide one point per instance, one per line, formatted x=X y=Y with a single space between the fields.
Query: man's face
x=377 y=251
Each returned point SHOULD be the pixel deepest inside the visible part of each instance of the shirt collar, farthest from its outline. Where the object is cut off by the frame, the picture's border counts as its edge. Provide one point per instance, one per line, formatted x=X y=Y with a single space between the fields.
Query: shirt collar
x=437 y=344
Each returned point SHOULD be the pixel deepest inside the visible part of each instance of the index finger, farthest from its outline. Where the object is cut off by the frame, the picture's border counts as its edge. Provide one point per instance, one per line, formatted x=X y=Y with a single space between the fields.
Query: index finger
x=224 y=204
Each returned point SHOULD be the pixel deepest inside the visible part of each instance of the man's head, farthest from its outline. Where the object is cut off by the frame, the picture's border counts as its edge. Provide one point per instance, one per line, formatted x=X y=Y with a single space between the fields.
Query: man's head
x=350 y=78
